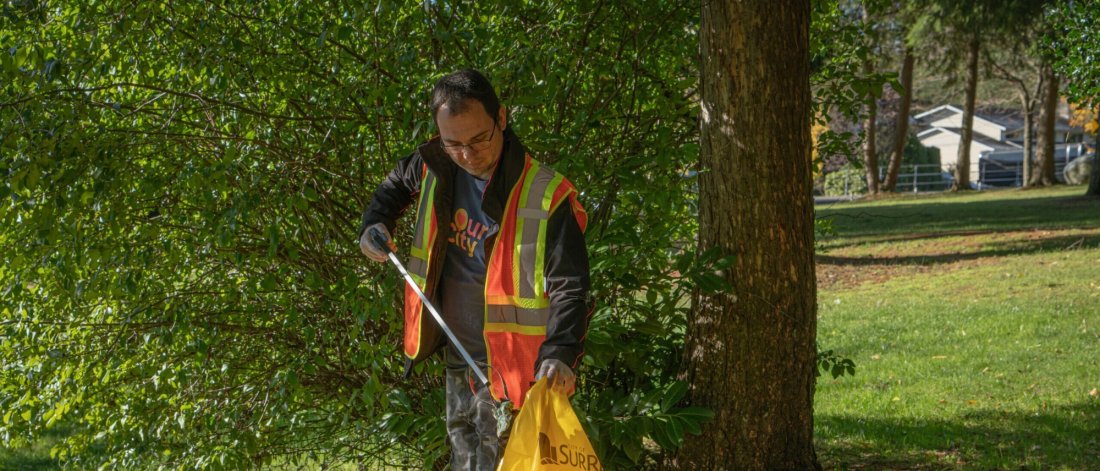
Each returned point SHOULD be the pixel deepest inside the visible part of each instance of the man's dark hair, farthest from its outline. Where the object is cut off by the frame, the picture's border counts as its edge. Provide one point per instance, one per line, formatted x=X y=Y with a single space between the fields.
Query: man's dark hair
x=453 y=90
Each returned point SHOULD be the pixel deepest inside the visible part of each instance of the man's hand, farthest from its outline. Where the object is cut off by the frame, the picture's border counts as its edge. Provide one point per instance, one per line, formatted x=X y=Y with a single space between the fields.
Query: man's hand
x=372 y=251
x=558 y=374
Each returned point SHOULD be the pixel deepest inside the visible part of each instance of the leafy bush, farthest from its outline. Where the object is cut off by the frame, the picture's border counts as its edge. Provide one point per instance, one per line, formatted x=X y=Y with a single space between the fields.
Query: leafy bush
x=182 y=186
x=849 y=180
x=927 y=161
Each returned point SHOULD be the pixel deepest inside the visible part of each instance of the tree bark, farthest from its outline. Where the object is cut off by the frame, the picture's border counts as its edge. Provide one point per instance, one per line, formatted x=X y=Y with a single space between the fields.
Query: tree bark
x=870 y=150
x=1047 y=116
x=1028 y=106
x=902 y=136
x=1029 y=159
x=749 y=350
x=1094 y=177
x=962 y=164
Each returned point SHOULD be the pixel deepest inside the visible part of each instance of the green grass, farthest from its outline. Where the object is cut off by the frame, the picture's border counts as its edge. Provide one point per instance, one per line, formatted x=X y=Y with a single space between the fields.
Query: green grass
x=974 y=321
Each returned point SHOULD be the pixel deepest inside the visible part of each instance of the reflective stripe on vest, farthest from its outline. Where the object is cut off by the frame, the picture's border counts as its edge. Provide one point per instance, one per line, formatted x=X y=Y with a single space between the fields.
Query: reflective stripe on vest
x=517 y=307
x=417 y=266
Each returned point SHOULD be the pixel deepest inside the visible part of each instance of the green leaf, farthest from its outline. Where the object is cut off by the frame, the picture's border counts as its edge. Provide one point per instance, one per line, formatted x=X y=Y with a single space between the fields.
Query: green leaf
x=21 y=56
x=699 y=414
x=663 y=434
x=675 y=392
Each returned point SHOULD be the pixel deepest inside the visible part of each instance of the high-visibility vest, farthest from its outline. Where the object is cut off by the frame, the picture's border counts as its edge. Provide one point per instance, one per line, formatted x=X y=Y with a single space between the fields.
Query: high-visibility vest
x=517 y=306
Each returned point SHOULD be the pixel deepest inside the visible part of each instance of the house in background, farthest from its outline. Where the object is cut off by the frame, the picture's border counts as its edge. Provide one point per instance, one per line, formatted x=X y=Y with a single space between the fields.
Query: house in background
x=996 y=147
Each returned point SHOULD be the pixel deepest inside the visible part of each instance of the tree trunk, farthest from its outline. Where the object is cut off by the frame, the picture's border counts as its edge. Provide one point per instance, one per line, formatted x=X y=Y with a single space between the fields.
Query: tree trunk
x=1094 y=178
x=1029 y=159
x=902 y=136
x=962 y=164
x=870 y=150
x=1047 y=116
x=749 y=350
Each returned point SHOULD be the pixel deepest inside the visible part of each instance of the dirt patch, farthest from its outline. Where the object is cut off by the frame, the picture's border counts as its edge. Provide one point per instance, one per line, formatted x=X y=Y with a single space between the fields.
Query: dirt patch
x=879 y=261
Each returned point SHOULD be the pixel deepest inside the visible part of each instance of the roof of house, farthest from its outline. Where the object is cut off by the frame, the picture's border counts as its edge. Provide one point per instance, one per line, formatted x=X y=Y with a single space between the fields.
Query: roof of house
x=995 y=144
x=1010 y=120
x=975 y=137
x=936 y=114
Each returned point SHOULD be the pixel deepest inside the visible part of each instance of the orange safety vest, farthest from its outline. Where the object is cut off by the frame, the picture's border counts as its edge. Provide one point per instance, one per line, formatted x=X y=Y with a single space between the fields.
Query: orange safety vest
x=517 y=306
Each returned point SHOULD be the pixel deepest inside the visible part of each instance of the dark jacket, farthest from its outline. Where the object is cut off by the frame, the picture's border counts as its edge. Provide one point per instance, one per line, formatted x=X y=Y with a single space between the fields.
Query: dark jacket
x=567 y=280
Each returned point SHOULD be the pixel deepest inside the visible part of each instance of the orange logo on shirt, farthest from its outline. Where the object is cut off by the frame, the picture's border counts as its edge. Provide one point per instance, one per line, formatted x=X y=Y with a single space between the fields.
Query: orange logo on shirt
x=465 y=233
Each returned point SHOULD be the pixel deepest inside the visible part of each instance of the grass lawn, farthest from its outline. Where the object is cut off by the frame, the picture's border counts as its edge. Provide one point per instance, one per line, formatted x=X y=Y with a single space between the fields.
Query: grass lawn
x=974 y=321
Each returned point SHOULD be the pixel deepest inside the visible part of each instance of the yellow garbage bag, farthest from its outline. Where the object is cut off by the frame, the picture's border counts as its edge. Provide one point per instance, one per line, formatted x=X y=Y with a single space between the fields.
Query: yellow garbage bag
x=547 y=435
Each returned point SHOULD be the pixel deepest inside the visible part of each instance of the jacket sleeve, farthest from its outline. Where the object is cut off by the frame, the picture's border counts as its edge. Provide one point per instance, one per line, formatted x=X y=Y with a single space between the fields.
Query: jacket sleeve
x=394 y=195
x=568 y=285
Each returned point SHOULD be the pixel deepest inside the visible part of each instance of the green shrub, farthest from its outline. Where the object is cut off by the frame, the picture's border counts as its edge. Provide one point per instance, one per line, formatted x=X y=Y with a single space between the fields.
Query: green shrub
x=848 y=180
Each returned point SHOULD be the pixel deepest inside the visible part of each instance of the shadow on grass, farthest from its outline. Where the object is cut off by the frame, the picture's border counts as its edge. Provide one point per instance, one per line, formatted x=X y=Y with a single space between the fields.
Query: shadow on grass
x=1019 y=213
x=991 y=249
x=1060 y=438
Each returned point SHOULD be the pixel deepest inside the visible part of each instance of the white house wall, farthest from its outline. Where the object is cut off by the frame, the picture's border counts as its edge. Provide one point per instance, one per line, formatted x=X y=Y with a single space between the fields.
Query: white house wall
x=948 y=144
x=952 y=121
x=988 y=128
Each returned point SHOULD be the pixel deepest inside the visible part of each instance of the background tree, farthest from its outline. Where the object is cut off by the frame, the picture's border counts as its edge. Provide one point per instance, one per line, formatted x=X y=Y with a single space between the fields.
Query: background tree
x=901 y=133
x=870 y=148
x=1018 y=59
x=949 y=35
x=749 y=352
x=952 y=33
x=1073 y=43
x=1048 y=115
x=842 y=85
x=1018 y=62
x=885 y=22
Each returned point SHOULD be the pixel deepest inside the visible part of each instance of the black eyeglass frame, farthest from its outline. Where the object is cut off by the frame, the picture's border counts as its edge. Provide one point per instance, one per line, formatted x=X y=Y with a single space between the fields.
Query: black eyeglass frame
x=474 y=146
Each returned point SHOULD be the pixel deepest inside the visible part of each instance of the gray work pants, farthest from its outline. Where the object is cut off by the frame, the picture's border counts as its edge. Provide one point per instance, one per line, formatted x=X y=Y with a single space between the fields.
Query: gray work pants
x=471 y=423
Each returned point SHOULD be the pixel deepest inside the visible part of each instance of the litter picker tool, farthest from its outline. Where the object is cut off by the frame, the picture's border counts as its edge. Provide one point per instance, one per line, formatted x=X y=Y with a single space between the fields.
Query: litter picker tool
x=379 y=240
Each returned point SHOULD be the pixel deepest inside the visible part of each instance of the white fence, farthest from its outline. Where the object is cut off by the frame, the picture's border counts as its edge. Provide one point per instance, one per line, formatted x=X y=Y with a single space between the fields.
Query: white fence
x=997 y=170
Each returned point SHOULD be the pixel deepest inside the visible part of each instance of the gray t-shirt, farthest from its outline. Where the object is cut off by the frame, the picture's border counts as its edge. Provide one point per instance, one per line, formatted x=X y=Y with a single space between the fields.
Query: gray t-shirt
x=463 y=283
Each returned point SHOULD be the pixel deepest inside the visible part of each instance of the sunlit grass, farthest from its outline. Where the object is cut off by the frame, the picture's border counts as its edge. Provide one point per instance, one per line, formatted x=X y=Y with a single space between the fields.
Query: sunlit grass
x=987 y=358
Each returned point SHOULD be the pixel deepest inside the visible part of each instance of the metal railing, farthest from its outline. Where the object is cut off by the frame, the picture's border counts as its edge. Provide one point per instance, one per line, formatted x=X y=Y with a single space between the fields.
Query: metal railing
x=920 y=177
x=985 y=174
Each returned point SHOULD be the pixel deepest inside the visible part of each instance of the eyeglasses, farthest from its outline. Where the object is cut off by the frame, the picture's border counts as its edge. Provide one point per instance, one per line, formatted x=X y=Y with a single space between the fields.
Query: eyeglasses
x=456 y=150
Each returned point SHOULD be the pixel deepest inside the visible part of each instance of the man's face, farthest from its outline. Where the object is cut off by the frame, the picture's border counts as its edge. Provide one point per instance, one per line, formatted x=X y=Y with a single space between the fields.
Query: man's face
x=472 y=139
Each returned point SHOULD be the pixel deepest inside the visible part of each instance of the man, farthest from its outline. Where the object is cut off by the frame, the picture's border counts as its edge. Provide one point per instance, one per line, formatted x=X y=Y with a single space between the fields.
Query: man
x=498 y=247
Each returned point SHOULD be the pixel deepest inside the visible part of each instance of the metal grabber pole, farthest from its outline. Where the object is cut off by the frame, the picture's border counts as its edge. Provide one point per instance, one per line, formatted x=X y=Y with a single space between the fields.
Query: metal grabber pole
x=379 y=240
x=503 y=413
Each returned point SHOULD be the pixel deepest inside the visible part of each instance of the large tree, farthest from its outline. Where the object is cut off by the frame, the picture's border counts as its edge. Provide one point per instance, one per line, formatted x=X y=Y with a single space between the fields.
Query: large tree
x=749 y=352
x=1073 y=42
